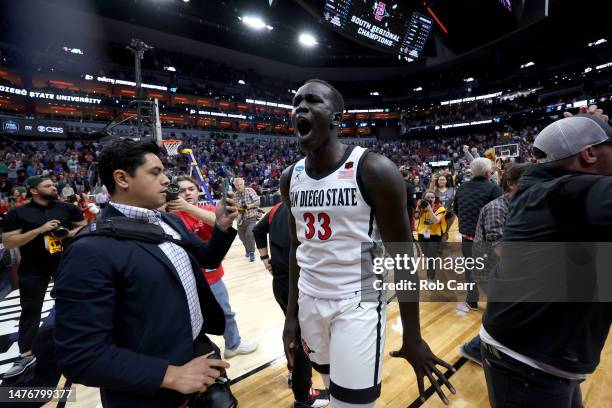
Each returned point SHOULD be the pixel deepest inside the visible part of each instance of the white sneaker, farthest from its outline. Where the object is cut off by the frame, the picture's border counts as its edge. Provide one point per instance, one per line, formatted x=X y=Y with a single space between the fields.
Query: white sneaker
x=245 y=347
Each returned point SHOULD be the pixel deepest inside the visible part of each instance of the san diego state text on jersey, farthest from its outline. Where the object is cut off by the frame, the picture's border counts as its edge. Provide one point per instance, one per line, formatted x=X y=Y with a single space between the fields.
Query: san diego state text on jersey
x=332 y=197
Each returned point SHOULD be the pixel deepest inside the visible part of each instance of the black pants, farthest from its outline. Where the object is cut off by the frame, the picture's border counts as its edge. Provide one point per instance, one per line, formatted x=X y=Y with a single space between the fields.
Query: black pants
x=32 y=289
x=46 y=372
x=467 y=248
x=511 y=383
x=430 y=247
x=302 y=368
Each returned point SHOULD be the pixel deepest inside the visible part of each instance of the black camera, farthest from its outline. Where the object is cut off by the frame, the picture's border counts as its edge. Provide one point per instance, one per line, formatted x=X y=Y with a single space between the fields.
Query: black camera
x=217 y=395
x=424 y=203
x=60 y=232
x=172 y=192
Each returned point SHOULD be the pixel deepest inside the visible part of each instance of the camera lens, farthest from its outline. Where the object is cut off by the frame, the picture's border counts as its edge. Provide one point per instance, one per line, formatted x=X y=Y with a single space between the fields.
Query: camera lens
x=60 y=232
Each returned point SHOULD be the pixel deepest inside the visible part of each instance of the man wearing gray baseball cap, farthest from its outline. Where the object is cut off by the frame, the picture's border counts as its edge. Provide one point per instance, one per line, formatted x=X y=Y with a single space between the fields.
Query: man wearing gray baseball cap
x=537 y=352
x=566 y=138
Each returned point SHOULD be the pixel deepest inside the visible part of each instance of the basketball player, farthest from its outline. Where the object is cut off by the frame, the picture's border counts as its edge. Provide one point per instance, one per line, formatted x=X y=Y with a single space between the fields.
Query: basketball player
x=342 y=197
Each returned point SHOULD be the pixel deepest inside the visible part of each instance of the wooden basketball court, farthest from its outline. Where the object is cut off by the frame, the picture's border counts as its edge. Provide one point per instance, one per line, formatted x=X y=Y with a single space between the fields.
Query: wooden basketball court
x=259 y=379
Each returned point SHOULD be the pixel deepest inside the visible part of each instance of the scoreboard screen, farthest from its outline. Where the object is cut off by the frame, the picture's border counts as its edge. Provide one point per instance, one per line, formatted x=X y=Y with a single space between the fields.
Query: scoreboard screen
x=383 y=24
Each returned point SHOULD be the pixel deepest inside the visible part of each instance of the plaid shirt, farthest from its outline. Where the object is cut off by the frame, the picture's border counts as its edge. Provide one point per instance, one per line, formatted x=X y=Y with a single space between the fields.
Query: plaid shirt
x=489 y=231
x=248 y=197
x=491 y=220
x=177 y=256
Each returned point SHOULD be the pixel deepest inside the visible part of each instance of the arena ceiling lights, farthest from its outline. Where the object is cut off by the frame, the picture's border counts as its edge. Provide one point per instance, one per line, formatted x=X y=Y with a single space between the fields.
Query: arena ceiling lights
x=308 y=40
x=598 y=42
x=255 y=23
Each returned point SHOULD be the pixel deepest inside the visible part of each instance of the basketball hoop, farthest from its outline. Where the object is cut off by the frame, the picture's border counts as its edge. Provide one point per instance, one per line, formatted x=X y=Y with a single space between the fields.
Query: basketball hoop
x=504 y=155
x=171 y=146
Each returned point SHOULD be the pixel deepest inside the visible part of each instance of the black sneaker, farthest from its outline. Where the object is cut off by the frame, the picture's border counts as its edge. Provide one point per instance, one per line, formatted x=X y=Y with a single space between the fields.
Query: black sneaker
x=472 y=305
x=316 y=399
x=470 y=354
x=20 y=365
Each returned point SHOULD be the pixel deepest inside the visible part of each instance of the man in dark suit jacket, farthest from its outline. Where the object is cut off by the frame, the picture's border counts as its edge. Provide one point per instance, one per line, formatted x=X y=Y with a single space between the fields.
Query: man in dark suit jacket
x=471 y=196
x=132 y=316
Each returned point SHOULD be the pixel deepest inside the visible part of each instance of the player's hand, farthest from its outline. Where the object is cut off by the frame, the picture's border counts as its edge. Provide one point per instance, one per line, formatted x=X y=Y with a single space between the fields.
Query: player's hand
x=48 y=226
x=291 y=338
x=424 y=362
x=226 y=212
x=592 y=110
x=178 y=205
x=195 y=376
x=268 y=265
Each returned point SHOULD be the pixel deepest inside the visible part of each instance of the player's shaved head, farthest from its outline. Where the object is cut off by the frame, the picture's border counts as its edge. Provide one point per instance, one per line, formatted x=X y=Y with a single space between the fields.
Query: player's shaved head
x=337 y=99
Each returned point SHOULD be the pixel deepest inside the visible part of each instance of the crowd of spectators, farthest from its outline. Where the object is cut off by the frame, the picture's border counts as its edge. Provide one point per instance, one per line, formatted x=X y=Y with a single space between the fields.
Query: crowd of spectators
x=259 y=161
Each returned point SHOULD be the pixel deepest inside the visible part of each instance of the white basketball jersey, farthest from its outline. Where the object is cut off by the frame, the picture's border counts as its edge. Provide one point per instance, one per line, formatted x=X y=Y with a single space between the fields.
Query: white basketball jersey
x=336 y=230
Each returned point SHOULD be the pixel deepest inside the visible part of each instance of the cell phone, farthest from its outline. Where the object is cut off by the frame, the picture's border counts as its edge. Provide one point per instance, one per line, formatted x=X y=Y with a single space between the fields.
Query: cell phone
x=172 y=192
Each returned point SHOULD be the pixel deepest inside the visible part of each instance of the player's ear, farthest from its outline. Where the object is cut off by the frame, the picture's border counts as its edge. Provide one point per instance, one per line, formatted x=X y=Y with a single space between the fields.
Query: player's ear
x=336 y=119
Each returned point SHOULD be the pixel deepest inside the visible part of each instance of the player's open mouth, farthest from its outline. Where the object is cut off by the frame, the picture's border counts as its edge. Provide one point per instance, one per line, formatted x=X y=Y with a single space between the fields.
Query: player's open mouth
x=303 y=126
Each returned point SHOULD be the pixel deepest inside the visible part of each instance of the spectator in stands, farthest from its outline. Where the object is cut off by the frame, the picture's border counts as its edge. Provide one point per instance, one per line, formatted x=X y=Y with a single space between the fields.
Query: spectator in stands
x=67 y=191
x=4 y=206
x=490 y=154
x=419 y=187
x=471 y=196
x=470 y=155
x=89 y=209
x=31 y=228
x=101 y=197
x=6 y=187
x=200 y=219
x=18 y=198
x=248 y=205
x=450 y=178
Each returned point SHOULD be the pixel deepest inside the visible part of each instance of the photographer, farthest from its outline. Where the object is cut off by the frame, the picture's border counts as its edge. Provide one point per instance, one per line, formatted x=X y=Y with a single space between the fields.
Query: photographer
x=132 y=315
x=431 y=226
x=37 y=228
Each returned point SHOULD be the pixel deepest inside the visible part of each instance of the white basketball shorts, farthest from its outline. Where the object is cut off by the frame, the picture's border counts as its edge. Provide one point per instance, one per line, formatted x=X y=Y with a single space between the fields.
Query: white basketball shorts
x=345 y=339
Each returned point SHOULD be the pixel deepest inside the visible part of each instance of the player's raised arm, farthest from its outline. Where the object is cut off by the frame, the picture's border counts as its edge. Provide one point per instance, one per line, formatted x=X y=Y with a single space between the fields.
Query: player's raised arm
x=291 y=332
x=385 y=189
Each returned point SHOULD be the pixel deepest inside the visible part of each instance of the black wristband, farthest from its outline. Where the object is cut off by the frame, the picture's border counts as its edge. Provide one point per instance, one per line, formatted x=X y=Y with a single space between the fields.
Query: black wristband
x=264 y=257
